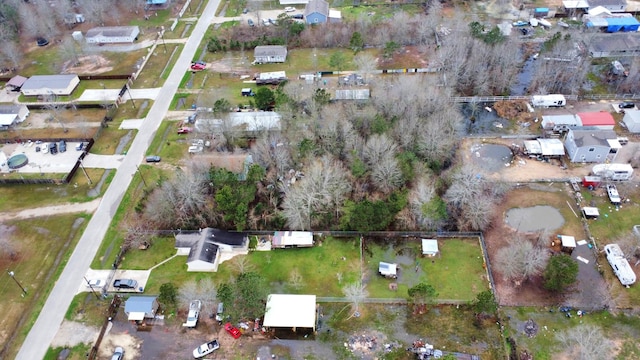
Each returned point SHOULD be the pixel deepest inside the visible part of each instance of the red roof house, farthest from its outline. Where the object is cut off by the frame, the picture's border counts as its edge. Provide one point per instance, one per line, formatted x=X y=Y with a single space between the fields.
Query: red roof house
x=601 y=120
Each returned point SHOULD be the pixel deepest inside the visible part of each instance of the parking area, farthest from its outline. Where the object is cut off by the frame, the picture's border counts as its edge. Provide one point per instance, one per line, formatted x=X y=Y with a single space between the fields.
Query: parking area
x=92 y=276
x=40 y=159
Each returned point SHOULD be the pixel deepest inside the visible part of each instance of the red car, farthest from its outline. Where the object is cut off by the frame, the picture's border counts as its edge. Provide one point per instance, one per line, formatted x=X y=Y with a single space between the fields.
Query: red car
x=184 y=130
x=198 y=66
x=232 y=330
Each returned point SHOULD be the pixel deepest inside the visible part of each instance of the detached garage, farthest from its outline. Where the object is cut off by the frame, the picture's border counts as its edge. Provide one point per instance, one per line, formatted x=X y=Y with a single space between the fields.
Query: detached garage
x=42 y=85
x=632 y=120
x=290 y=311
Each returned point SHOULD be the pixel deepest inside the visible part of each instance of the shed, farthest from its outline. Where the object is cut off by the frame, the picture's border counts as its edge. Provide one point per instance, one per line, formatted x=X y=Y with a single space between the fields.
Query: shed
x=590 y=212
x=430 y=247
x=388 y=269
x=270 y=54
x=290 y=311
x=568 y=242
x=532 y=147
x=631 y=120
x=16 y=82
x=540 y=12
x=560 y=123
x=575 y=4
x=316 y=12
x=112 y=34
x=551 y=147
x=624 y=24
x=601 y=120
x=62 y=85
x=288 y=239
x=139 y=308
x=352 y=94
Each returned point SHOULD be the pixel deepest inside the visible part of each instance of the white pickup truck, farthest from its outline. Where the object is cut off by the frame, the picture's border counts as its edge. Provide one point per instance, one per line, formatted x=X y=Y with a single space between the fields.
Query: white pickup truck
x=194 y=313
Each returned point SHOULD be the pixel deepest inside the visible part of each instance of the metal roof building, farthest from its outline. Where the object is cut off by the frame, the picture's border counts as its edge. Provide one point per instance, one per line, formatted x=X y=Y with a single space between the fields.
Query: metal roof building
x=63 y=85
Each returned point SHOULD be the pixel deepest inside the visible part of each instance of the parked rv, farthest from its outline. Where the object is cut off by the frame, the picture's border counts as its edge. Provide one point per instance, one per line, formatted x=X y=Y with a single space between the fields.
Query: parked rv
x=552 y=100
x=617 y=172
x=619 y=264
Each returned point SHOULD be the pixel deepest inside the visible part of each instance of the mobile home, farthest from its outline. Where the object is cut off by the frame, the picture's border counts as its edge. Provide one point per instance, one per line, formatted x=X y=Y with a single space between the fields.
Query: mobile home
x=619 y=172
x=619 y=264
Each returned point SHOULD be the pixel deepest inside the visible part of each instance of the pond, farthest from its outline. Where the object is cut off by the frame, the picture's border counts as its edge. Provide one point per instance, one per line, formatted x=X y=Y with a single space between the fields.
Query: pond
x=536 y=218
x=491 y=157
x=481 y=118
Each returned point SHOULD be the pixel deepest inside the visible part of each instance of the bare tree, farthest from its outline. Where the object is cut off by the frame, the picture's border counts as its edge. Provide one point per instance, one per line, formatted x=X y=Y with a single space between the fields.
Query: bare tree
x=95 y=11
x=586 y=342
x=203 y=290
x=421 y=196
x=12 y=53
x=241 y=264
x=365 y=63
x=69 y=51
x=207 y=292
x=377 y=148
x=629 y=244
x=386 y=174
x=356 y=293
x=520 y=260
x=137 y=235
x=187 y=292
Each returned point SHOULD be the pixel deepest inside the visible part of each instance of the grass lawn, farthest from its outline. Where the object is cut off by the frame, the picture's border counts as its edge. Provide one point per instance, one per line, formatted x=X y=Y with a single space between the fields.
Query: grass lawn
x=621 y=328
x=158 y=67
x=457 y=274
x=23 y=132
x=78 y=352
x=161 y=249
x=109 y=139
x=167 y=143
x=42 y=245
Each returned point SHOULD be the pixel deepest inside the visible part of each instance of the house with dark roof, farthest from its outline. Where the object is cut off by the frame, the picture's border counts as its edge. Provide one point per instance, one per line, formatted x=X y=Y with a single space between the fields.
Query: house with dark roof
x=62 y=85
x=316 y=12
x=207 y=248
x=112 y=34
x=139 y=308
x=267 y=54
x=592 y=146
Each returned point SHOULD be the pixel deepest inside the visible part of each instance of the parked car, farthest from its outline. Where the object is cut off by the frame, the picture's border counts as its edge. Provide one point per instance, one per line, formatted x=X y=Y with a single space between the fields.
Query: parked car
x=251 y=23
x=626 y=105
x=125 y=284
x=245 y=11
x=194 y=313
x=95 y=283
x=118 y=354
x=206 y=349
x=42 y=41
x=219 y=312
x=289 y=9
x=184 y=130
x=266 y=22
x=153 y=159
x=273 y=21
x=232 y=330
x=297 y=16
x=198 y=67
x=62 y=146
x=80 y=146
x=200 y=63
x=53 y=148
x=45 y=148
x=247 y=92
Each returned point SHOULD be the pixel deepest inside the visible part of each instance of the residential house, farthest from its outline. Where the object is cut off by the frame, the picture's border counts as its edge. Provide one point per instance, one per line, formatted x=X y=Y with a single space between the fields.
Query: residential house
x=112 y=34
x=209 y=247
x=247 y=123
x=289 y=239
x=44 y=85
x=599 y=120
x=12 y=114
x=16 y=82
x=615 y=45
x=615 y=6
x=139 y=308
x=316 y=12
x=631 y=120
x=592 y=146
x=270 y=54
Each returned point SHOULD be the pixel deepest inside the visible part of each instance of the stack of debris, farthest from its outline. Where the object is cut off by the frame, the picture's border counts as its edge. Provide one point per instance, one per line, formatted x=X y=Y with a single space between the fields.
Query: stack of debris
x=369 y=344
x=530 y=328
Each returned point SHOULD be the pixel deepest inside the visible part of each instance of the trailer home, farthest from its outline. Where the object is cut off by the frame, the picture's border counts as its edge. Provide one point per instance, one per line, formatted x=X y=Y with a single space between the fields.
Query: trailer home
x=552 y=100
x=619 y=264
x=617 y=172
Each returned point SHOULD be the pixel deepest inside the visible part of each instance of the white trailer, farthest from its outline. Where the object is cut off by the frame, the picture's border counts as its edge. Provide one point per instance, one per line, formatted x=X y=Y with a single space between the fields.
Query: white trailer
x=619 y=264
x=552 y=100
x=617 y=172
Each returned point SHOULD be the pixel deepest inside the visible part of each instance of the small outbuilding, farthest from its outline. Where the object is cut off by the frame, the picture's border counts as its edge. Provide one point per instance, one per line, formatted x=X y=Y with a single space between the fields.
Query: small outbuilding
x=112 y=35
x=388 y=270
x=290 y=311
x=42 y=85
x=590 y=212
x=631 y=120
x=16 y=82
x=290 y=239
x=430 y=247
x=600 y=120
x=568 y=243
x=139 y=308
x=268 y=54
x=352 y=94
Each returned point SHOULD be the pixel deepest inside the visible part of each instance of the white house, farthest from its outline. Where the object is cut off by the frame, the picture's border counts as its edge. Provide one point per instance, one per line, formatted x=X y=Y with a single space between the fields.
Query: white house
x=139 y=308
x=430 y=247
x=209 y=247
x=12 y=114
x=266 y=54
x=290 y=311
x=61 y=85
x=631 y=120
x=285 y=239
x=112 y=35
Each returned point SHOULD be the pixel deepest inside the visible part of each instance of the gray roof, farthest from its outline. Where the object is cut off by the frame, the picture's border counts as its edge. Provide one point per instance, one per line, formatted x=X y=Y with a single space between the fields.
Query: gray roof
x=317 y=6
x=139 y=304
x=112 y=31
x=270 y=50
x=625 y=41
x=204 y=243
x=36 y=82
x=593 y=137
x=605 y=3
x=352 y=94
x=10 y=109
x=17 y=81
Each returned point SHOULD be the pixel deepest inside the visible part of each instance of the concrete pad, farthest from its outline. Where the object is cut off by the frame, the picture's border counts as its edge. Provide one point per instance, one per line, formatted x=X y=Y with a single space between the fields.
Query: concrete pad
x=108 y=95
x=131 y=124
x=95 y=161
x=94 y=275
x=141 y=276
x=40 y=162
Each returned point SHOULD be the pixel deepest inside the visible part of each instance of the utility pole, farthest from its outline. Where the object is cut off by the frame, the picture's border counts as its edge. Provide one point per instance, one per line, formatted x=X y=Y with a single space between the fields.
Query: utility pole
x=91 y=287
x=85 y=172
x=13 y=276
x=141 y=177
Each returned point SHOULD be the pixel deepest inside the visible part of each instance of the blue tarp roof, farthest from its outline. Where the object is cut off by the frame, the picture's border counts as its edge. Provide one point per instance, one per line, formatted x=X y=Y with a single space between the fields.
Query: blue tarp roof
x=622 y=24
x=542 y=9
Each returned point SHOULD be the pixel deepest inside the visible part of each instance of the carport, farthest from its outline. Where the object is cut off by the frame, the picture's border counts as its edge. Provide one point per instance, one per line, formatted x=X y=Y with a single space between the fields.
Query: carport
x=290 y=311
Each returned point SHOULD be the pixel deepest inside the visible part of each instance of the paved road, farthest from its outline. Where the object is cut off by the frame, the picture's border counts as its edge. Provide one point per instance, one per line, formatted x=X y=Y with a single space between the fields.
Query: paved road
x=37 y=342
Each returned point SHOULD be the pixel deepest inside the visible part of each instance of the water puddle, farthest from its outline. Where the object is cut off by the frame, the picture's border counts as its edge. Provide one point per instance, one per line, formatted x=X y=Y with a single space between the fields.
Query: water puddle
x=481 y=118
x=536 y=218
x=491 y=157
x=524 y=77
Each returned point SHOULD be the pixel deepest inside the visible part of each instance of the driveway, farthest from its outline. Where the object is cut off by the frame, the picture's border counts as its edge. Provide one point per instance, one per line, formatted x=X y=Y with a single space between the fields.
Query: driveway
x=112 y=94
x=96 y=161
x=590 y=283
